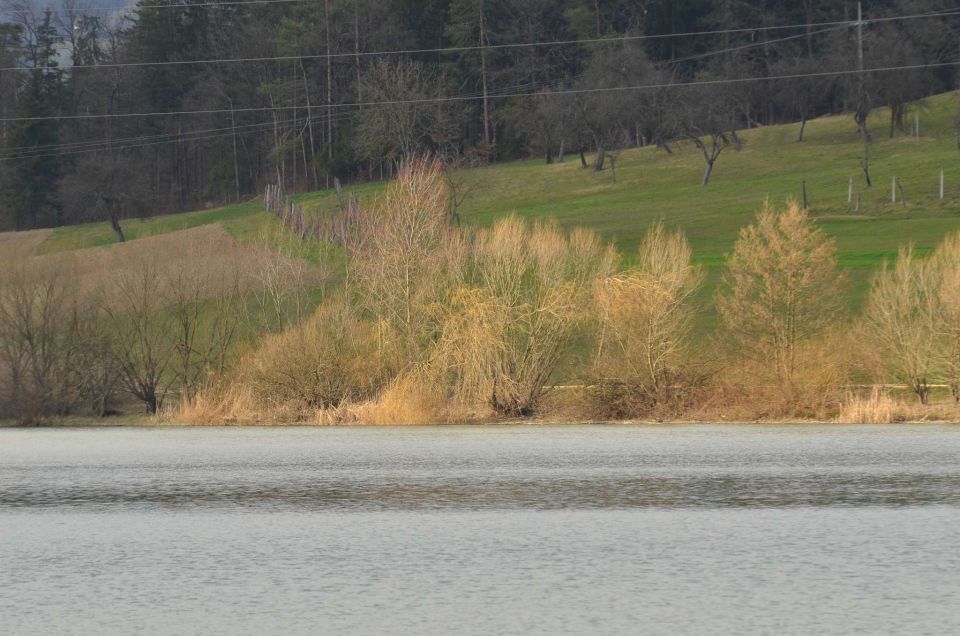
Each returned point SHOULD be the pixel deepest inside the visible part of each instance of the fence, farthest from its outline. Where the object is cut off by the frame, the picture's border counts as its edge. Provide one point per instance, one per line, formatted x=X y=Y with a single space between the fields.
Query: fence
x=342 y=227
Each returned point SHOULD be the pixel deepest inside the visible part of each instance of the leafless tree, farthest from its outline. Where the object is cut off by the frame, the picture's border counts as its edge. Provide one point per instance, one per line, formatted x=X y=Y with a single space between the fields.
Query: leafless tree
x=709 y=120
x=410 y=117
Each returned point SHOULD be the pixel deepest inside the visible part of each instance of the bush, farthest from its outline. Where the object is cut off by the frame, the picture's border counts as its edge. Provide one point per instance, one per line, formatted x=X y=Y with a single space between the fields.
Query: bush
x=526 y=289
x=902 y=316
x=331 y=359
x=644 y=328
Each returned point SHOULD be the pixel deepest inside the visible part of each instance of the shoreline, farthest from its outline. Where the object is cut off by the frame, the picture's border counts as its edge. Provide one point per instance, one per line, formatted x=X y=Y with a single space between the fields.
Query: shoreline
x=145 y=422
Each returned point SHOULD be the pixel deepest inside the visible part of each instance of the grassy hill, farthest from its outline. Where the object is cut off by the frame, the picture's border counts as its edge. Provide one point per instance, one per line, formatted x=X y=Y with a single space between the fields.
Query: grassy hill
x=652 y=185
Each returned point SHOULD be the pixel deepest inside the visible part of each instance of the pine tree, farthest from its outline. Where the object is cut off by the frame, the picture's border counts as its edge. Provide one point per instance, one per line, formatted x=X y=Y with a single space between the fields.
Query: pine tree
x=32 y=182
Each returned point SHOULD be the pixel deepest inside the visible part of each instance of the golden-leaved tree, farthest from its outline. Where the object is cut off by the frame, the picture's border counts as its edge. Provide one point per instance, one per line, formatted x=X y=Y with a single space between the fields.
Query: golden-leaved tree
x=781 y=290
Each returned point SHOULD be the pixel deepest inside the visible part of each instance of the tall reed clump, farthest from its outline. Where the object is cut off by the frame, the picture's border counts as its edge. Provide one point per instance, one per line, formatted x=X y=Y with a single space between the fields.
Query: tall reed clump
x=876 y=408
x=525 y=289
x=781 y=298
x=645 y=316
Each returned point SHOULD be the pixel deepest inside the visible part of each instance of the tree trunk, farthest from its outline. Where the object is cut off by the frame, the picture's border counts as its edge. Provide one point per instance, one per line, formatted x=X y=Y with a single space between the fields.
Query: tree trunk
x=707 y=173
x=803 y=126
x=115 y=224
x=583 y=157
x=601 y=157
x=150 y=401
x=866 y=163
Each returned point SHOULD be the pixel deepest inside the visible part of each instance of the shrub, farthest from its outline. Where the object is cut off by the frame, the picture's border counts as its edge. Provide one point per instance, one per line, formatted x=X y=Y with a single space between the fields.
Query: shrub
x=329 y=360
x=644 y=327
x=525 y=291
x=902 y=316
x=947 y=262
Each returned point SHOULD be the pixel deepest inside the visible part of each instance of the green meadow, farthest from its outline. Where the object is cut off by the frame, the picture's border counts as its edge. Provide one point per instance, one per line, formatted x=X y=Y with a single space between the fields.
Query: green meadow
x=652 y=185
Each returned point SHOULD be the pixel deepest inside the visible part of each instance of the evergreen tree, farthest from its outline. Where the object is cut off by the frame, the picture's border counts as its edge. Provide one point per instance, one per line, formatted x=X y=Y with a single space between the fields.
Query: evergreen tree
x=32 y=181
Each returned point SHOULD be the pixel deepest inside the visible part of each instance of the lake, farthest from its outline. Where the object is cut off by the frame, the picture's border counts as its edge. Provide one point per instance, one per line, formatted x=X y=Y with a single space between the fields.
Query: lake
x=481 y=530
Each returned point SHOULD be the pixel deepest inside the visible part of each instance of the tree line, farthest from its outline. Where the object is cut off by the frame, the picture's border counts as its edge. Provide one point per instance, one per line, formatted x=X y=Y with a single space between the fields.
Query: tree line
x=135 y=113
x=436 y=322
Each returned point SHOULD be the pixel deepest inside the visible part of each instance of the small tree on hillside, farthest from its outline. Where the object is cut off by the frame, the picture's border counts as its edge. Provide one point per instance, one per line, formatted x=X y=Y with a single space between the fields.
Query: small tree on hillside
x=781 y=289
x=708 y=116
x=902 y=315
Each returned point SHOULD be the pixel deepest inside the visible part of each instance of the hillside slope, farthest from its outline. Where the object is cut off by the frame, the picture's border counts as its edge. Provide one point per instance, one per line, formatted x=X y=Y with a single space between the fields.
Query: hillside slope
x=652 y=184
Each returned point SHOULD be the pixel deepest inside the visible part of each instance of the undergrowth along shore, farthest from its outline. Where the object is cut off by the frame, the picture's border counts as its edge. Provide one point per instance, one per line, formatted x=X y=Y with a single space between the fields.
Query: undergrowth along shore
x=417 y=320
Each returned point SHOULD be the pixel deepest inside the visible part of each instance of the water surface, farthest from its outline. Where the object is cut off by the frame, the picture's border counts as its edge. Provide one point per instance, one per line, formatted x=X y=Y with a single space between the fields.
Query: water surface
x=480 y=530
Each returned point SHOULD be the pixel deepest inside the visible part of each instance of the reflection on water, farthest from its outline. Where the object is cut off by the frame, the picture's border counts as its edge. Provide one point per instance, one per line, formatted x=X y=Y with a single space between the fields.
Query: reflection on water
x=481 y=529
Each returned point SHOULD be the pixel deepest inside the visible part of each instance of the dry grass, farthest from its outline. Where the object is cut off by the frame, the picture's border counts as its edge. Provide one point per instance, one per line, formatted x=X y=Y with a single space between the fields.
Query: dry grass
x=25 y=243
x=879 y=407
x=876 y=408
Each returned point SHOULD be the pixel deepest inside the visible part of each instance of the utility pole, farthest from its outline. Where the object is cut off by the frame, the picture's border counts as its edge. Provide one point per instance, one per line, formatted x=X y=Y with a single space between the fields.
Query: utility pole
x=326 y=16
x=863 y=109
x=483 y=77
x=236 y=168
x=860 y=42
x=356 y=51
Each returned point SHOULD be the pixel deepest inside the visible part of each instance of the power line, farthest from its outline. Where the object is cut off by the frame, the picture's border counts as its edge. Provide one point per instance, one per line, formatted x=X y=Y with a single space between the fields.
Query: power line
x=180 y=5
x=466 y=98
x=456 y=49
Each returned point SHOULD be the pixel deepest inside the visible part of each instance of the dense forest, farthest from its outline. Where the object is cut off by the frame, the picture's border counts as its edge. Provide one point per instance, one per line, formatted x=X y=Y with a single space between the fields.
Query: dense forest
x=165 y=107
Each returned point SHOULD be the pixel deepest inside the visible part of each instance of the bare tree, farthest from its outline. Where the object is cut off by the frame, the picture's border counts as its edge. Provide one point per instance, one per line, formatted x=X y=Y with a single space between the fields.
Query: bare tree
x=38 y=345
x=399 y=268
x=142 y=329
x=708 y=118
x=410 y=118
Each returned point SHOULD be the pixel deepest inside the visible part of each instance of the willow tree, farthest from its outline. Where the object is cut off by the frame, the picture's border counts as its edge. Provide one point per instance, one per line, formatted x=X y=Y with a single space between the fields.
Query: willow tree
x=947 y=262
x=903 y=317
x=646 y=313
